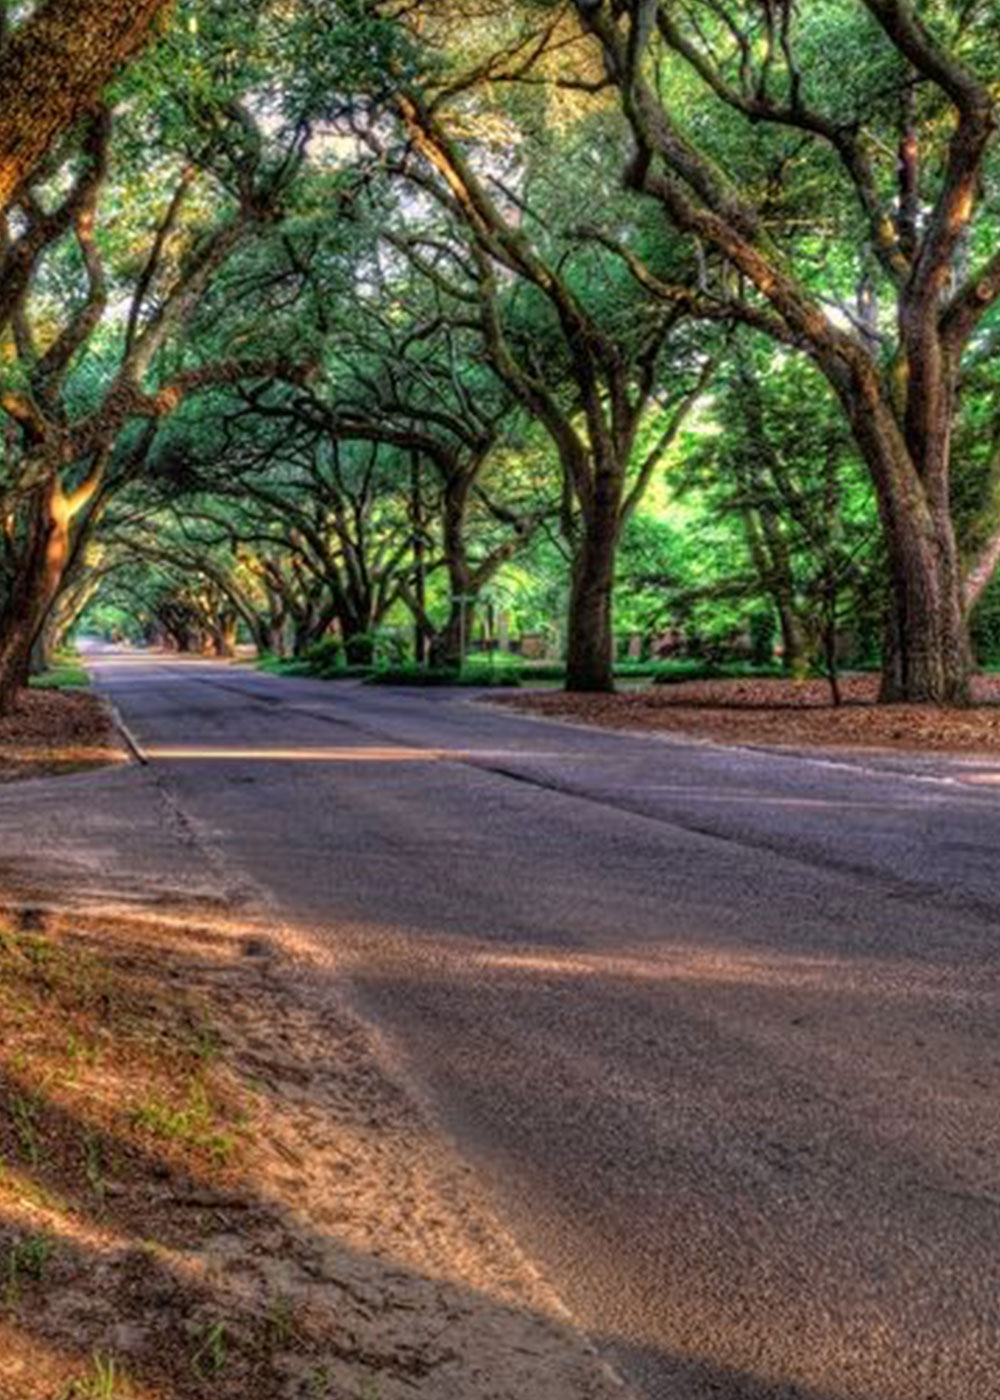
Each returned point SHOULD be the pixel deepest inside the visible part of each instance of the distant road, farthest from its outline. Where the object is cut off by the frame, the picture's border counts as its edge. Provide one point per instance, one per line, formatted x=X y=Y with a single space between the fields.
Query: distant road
x=720 y=1028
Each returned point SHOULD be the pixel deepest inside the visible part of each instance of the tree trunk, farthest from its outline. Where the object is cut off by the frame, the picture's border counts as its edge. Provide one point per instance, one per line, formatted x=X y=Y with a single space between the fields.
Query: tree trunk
x=43 y=651
x=590 y=640
x=927 y=658
x=794 y=648
x=277 y=639
x=15 y=656
x=52 y=68
x=420 y=638
x=224 y=636
x=450 y=646
x=36 y=585
x=927 y=655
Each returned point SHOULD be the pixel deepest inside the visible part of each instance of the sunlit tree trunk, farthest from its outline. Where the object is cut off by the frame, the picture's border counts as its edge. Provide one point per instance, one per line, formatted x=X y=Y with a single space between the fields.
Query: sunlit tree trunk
x=41 y=568
x=52 y=68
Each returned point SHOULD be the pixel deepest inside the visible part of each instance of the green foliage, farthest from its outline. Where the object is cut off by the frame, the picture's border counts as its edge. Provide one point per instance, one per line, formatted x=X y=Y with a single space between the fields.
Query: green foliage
x=985 y=628
x=477 y=671
x=380 y=463
x=693 y=669
x=61 y=677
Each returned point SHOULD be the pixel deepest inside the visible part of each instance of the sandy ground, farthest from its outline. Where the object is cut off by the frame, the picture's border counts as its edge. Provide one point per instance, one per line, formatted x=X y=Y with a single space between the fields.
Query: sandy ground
x=310 y=1237
x=793 y=713
x=56 y=731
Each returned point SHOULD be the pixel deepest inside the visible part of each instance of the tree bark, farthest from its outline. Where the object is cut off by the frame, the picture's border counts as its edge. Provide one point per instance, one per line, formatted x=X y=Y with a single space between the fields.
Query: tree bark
x=590 y=639
x=927 y=657
x=420 y=639
x=794 y=647
x=224 y=636
x=449 y=646
x=53 y=67
x=40 y=573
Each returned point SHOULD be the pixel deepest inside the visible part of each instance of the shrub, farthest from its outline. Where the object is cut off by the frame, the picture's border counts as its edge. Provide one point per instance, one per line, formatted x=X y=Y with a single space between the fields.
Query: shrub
x=692 y=669
x=324 y=655
x=472 y=674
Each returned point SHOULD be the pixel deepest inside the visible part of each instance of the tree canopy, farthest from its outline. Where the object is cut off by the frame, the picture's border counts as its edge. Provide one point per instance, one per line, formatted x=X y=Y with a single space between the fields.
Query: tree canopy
x=360 y=330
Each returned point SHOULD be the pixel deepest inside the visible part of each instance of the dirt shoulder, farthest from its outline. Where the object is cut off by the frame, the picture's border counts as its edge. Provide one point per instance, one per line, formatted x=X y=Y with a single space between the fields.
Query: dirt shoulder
x=210 y=1186
x=789 y=713
x=56 y=731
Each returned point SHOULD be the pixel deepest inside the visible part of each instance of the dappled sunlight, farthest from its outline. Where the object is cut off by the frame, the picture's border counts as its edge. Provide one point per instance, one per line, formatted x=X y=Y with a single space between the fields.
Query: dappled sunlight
x=323 y=1135
x=675 y=963
x=341 y=1235
x=113 y=658
x=32 y=756
x=353 y=754
x=28 y=1359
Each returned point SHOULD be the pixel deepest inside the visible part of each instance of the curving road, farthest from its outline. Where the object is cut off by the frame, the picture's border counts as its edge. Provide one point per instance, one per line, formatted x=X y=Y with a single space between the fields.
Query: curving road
x=718 y=1027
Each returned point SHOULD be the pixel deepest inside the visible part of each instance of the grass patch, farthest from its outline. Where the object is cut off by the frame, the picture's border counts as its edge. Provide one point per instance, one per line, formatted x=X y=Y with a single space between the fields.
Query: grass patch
x=301 y=666
x=104 y=1380
x=67 y=672
x=24 y=1261
x=62 y=676
x=191 y=1121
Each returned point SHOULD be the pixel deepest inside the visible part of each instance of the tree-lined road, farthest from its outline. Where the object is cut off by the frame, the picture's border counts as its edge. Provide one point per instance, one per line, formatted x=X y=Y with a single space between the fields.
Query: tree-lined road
x=718 y=1027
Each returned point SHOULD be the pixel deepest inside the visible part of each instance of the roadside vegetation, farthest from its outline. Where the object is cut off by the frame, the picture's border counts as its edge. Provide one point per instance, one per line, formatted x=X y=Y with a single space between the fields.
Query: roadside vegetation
x=63 y=671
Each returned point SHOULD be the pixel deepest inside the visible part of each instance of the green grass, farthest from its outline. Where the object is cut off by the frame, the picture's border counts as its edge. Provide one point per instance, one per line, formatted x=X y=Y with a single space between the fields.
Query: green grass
x=302 y=666
x=503 y=669
x=660 y=672
x=192 y=1123
x=27 y=1259
x=104 y=1381
x=64 y=675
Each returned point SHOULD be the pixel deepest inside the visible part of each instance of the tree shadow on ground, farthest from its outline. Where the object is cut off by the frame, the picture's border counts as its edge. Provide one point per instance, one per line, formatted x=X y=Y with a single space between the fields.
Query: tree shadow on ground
x=292 y=1269
x=316 y=1264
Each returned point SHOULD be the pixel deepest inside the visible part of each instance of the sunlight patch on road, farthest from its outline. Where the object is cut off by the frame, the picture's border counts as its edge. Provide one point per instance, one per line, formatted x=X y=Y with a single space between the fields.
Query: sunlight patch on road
x=389 y=754
x=67 y=754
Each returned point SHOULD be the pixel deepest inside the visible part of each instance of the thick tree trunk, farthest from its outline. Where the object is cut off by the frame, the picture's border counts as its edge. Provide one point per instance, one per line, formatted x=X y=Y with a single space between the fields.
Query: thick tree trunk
x=40 y=572
x=54 y=66
x=43 y=651
x=926 y=657
x=224 y=637
x=590 y=641
x=15 y=659
x=270 y=639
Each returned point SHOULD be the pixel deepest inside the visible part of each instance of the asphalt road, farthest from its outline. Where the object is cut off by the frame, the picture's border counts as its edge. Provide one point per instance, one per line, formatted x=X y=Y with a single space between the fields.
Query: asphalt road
x=719 y=1028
